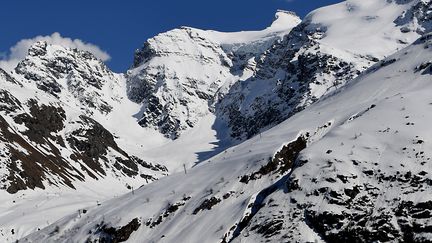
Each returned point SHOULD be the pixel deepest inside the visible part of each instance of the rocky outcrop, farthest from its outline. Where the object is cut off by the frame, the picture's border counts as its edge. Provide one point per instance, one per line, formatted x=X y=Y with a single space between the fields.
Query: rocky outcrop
x=56 y=69
x=48 y=136
x=178 y=76
x=418 y=18
x=175 y=77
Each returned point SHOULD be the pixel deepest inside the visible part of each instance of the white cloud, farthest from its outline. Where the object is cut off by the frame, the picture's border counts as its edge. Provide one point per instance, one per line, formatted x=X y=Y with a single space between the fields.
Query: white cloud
x=19 y=50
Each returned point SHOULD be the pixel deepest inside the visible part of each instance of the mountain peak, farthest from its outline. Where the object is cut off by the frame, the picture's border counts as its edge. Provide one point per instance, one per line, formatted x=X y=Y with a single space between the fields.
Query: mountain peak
x=38 y=49
x=285 y=13
x=284 y=20
x=57 y=69
x=43 y=48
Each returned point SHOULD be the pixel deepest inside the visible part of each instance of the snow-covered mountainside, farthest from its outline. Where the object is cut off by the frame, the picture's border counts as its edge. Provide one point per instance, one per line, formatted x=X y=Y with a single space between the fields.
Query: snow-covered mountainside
x=254 y=80
x=332 y=45
x=328 y=115
x=354 y=166
x=178 y=75
x=48 y=134
x=52 y=108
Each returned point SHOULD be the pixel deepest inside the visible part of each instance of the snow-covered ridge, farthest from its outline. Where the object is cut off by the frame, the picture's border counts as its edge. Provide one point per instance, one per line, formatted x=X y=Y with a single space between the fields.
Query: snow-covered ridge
x=282 y=24
x=96 y=130
x=54 y=133
x=331 y=46
x=362 y=176
x=177 y=74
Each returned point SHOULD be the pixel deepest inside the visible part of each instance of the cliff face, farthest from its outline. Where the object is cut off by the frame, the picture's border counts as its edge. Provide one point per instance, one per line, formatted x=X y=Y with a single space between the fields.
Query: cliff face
x=179 y=75
x=282 y=71
x=48 y=137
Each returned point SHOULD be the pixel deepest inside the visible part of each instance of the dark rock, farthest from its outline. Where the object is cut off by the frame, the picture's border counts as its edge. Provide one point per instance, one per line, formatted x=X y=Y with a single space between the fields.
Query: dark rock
x=115 y=235
x=207 y=204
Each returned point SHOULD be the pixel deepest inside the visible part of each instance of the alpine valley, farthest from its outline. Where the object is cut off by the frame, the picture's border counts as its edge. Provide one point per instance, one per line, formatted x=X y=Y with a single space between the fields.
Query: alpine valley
x=313 y=130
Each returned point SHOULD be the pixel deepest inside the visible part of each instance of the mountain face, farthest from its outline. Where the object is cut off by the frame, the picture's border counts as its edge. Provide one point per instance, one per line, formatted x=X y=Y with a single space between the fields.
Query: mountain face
x=48 y=135
x=176 y=75
x=338 y=171
x=179 y=75
x=318 y=57
x=279 y=76
x=329 y=115
x=55 y=70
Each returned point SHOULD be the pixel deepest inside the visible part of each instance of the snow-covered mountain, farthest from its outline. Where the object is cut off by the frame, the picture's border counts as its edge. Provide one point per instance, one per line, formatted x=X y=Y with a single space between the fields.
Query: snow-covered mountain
x=354 y=166
x=278 y=76
x=52 y=107
x=332 y=45
x=328 y=116
x=48 y=134
x=178 y=75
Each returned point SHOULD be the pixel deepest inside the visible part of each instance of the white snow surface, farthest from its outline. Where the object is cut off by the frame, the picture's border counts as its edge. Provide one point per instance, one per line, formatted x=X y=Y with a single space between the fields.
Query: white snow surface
x=29 y=210
x=400 y=95
x=385 y=98
x=185 y=70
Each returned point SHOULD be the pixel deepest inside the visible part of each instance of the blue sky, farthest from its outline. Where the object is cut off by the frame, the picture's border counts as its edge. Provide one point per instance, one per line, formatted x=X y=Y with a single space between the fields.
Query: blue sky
x=120 y=27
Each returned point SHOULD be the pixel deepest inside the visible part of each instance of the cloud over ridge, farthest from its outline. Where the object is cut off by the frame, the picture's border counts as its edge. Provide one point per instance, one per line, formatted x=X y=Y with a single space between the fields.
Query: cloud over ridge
x=19 y=50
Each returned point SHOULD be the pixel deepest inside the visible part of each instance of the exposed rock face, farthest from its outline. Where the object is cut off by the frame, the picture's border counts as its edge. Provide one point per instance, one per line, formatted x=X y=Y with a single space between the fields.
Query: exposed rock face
x=180 y=74
x=113 y=235
x=54 y=68
x=8 y=102
x=47 y=135
x=418 y=18
x=42 y=122
x=175 y=76
x=283 y=86
x=26 y=166
x=6 y=77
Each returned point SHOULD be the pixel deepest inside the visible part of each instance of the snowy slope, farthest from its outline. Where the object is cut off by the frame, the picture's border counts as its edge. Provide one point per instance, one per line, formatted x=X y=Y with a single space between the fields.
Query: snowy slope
x=74 y=136
x=352 y=167
x=332 y=45
x=177 y=74
x=69 y=131
x=57 y=138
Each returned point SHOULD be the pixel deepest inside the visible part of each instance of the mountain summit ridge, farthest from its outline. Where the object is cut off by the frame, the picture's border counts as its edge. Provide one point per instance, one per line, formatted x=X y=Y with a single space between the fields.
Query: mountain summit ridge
x=322 y=175
x=308 y=130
